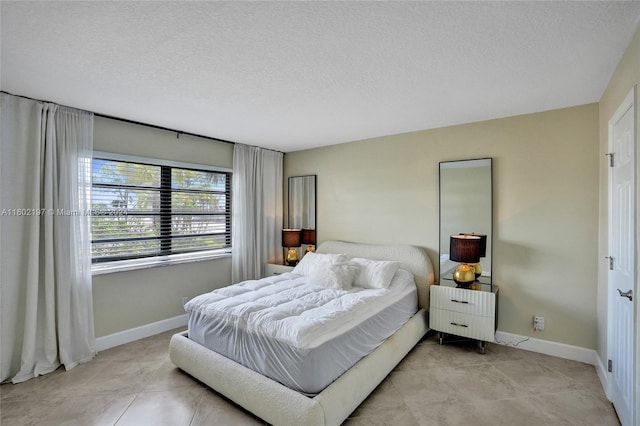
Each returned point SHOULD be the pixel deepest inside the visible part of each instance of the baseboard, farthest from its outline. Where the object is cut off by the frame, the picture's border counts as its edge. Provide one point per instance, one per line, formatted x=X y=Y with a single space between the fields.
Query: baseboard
x=133 y=334
x=603 y=375
x=547 y=347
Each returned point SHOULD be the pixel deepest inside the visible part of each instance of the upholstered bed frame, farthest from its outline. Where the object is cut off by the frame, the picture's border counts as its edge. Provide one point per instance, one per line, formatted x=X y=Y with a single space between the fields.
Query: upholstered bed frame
x=280 y=405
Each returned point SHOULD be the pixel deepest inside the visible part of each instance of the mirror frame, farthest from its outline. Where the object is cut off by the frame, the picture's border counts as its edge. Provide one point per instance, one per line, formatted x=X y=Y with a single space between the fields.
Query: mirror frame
x=490 y=240
x=315 y=201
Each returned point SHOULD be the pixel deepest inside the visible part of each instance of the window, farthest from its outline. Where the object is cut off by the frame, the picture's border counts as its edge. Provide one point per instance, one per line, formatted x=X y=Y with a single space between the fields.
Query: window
x=147 y=209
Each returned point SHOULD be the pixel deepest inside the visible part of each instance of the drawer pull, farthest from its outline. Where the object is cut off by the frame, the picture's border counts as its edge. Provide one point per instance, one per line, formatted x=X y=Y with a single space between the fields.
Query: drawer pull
x=459 y=301
x=459 y=325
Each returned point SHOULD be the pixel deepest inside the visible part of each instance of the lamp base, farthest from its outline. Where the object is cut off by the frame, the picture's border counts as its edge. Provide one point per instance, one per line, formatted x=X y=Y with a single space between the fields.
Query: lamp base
x=467 y=286
x=292 y=258
x=477 y=269
x=464 y=275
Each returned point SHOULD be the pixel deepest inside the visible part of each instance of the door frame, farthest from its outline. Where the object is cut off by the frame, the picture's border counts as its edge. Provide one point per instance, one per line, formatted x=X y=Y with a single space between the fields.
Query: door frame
x=636 y=290
x=629 y=101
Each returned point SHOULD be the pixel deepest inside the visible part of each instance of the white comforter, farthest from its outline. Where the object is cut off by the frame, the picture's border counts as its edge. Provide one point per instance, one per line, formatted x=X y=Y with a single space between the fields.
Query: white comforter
x=285 y=307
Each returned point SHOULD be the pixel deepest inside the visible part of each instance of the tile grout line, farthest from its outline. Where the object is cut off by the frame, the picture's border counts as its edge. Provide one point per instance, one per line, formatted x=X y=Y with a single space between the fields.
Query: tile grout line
x=128 y=406
x=195 y=411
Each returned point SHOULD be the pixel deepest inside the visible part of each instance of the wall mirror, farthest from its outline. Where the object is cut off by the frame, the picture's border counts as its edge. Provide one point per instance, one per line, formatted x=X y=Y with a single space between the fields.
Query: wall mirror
x=302 y=207
x=466 y=207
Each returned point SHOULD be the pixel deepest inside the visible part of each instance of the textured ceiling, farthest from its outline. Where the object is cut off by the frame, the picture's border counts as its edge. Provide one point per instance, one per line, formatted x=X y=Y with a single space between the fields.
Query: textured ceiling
x=295 y=75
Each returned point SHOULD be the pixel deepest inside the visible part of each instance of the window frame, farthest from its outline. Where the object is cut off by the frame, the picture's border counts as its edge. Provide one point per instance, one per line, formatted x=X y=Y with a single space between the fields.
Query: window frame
x=165 y=258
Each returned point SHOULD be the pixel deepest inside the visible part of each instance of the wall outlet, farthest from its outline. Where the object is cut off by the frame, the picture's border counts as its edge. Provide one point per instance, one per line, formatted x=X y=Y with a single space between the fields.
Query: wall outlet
x=538 y=323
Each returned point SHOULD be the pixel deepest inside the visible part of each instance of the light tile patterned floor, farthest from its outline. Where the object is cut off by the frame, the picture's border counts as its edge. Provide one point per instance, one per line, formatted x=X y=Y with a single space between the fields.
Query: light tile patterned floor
x=452 y=384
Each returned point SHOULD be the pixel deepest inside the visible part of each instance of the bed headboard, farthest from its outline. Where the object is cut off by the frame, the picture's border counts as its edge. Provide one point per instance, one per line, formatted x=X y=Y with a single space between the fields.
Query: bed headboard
x=413 y=259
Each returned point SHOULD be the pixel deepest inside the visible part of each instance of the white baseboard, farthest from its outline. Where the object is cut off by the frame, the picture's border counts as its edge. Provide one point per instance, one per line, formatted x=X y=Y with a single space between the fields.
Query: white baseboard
x=603 y=375
x=133 y=334
x=547 y=347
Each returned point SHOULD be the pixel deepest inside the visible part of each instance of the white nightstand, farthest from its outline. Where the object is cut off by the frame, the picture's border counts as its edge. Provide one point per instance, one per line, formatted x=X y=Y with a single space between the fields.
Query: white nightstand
x=277 y=269
x=464 y=312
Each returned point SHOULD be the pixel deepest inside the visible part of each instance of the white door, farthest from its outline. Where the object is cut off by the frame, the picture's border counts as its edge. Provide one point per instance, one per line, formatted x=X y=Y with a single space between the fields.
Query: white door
x=622 y=259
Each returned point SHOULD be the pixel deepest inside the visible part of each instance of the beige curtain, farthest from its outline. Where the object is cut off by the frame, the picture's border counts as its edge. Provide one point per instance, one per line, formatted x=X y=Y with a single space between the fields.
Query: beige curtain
x=257 y=211
x=45 y=249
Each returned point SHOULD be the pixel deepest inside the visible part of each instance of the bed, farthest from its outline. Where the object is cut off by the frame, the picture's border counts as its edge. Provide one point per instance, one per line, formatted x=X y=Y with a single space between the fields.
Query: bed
x=331 y=405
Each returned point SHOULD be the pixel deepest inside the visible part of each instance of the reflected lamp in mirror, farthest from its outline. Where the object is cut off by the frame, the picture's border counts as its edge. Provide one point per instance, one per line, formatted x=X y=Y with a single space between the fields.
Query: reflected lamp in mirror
x=483 y=251
x=309 y=238
x=291 y=238
x=466 y=250
x=466 y=204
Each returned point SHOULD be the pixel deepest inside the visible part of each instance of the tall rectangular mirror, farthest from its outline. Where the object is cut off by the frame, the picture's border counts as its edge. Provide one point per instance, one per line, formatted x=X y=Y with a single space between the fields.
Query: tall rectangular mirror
x=302 y=206
x=466 y=207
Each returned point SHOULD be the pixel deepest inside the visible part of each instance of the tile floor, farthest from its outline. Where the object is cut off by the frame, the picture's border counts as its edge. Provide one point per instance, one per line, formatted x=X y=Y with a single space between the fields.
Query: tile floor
x=136 y=384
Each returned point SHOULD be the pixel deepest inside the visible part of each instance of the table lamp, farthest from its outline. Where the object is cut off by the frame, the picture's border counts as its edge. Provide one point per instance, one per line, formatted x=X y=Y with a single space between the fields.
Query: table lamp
x=291 y=238
x=483 y=252
x=465 y=249
x=309 y=237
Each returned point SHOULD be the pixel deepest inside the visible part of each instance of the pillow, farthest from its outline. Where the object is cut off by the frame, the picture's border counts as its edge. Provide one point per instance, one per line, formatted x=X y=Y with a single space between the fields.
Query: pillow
x=375 y=273
x=338 y=275
x=310 y=259
x=402 y=278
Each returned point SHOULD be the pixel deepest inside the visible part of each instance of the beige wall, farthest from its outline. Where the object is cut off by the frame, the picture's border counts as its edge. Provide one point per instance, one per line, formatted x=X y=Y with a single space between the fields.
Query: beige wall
x=626 y=76
x=385 y=190
x=125 y=300
x=550 y=202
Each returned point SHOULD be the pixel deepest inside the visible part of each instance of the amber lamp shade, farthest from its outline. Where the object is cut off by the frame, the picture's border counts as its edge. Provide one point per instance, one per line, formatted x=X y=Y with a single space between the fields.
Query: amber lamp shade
x=291 y=238
x=308 y=236
x=465 y=249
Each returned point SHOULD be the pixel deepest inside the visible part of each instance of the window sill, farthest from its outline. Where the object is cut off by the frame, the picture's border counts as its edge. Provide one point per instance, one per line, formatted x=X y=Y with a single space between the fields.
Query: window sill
x=154 y=262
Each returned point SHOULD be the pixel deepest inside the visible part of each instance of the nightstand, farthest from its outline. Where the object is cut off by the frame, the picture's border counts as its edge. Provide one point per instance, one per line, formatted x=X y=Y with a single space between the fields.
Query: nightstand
x=277 y=269
x=464 y=312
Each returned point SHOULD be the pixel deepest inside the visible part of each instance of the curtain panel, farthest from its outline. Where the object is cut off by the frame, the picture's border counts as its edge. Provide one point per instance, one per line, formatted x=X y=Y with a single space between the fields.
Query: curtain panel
x=257 y=211
x=45 y=247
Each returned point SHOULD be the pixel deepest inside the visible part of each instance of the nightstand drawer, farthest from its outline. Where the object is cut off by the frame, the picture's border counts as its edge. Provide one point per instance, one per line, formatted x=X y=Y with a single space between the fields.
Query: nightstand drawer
x=462 y=300
x=461 y=324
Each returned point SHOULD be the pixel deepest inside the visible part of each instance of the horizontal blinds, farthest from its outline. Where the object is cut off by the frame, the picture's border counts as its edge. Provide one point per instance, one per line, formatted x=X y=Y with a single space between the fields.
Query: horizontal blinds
x=142 y=210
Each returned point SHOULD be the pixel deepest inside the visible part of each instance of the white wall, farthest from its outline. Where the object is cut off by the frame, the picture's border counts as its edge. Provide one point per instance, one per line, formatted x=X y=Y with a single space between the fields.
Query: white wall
x=130 y=299
x=385 y=190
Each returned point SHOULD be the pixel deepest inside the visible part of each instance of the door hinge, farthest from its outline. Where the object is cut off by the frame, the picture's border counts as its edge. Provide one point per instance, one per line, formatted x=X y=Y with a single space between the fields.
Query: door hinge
x=610 y=154
x=610 y=262
x=609 y=366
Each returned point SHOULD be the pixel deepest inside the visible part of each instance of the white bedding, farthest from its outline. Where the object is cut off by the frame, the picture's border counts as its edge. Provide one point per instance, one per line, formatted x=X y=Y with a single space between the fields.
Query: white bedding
x=299 y=334
x=286 y=308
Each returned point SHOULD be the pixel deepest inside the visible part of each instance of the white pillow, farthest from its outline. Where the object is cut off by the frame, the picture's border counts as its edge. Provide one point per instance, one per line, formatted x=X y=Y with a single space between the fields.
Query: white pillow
x=375 y=273
x=310 y=259
x=402 y=278
x=329 y=273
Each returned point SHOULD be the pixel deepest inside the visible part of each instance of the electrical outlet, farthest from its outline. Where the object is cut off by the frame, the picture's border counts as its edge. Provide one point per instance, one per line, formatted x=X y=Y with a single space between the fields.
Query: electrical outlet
x=538 y=323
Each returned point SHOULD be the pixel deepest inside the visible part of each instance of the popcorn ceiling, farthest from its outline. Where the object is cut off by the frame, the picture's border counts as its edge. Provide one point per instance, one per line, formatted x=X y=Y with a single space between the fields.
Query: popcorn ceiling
x=296 y=75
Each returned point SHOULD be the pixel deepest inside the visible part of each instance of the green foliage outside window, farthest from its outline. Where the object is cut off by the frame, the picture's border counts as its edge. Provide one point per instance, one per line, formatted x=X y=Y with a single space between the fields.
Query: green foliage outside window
x=141 y=210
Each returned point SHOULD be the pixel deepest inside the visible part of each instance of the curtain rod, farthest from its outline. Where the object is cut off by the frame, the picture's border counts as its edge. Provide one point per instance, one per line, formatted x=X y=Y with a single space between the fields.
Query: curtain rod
x=177 y=132
x=125 y=120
